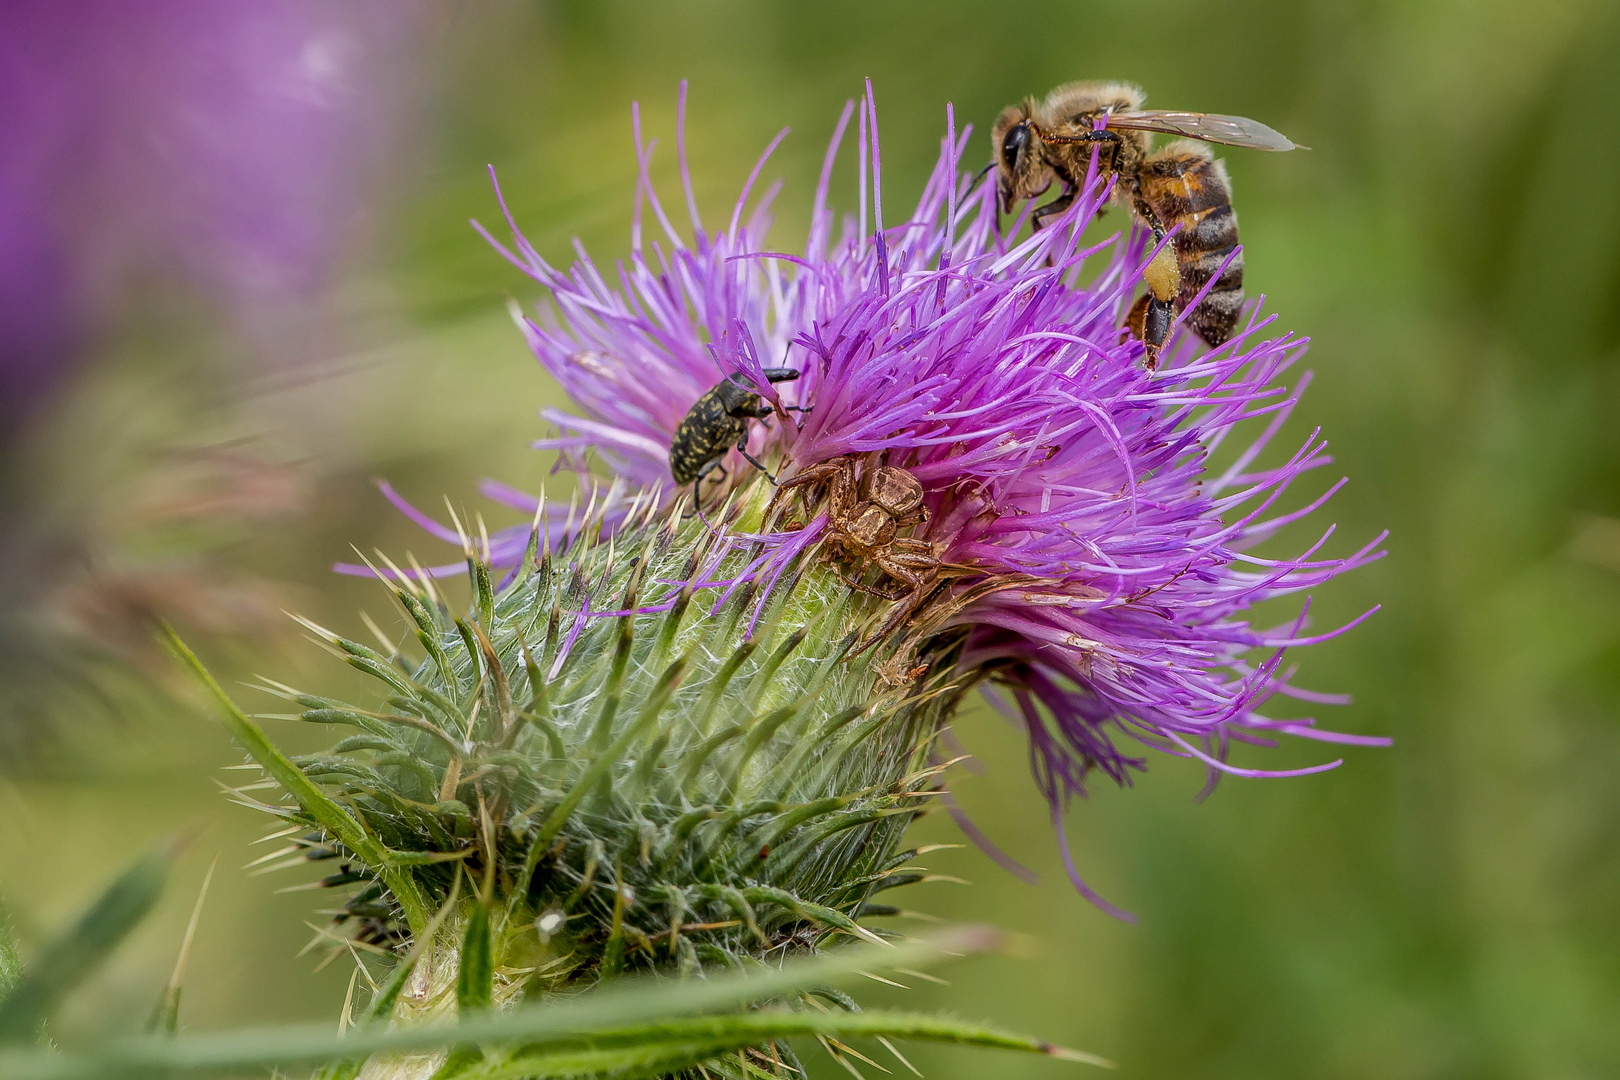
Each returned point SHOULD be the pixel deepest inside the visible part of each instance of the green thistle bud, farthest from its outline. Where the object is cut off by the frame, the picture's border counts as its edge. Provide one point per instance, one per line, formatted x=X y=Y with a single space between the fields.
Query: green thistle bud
x=560 y=784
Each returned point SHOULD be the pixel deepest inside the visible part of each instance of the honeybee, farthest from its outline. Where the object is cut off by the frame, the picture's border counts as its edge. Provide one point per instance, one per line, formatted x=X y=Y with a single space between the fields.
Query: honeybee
x=1035 y=143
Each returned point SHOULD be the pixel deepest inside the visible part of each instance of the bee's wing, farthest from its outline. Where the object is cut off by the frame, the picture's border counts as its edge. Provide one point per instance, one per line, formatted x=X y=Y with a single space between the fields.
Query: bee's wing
x=1209 y=127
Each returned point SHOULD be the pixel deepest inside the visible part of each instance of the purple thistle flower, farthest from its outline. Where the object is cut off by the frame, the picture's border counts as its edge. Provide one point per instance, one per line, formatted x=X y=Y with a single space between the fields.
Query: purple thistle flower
x=1098 y=562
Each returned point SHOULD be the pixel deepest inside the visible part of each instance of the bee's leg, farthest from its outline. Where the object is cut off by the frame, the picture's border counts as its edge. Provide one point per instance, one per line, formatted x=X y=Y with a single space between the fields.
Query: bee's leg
x=1150 y=218
x=1051 y=209
x=1062 y=202
x=1150 y=320
x=1116 y=161
x=1136 y=318
x=1156 y=328
x=1162 y=276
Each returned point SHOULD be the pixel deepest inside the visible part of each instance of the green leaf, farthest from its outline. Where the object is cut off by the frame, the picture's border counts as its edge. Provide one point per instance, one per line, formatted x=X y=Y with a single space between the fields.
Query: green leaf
x=485 y=590
x=166 y=1016
x=648 y=1010
x=73 y=956
x=475 y=981
x=674 y=1044
x=388 y=993
x=382 y=1004
x=315 y=802
x=11 y=970
x=458 y=1063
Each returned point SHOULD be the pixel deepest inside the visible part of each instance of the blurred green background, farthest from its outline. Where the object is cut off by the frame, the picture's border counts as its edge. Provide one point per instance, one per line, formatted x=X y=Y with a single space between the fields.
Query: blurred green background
x=1448 y=908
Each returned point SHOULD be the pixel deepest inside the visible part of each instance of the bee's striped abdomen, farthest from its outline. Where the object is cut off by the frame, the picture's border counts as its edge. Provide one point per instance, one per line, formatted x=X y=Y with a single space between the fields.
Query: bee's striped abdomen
x=1185 y=186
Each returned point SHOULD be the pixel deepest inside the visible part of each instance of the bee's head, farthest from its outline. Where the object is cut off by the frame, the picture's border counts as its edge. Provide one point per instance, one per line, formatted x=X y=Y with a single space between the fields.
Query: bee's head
x=1021 y=169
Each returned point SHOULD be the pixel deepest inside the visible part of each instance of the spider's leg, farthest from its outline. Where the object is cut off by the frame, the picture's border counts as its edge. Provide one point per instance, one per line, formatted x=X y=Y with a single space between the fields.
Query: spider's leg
x=902 y=611
x=869 y=590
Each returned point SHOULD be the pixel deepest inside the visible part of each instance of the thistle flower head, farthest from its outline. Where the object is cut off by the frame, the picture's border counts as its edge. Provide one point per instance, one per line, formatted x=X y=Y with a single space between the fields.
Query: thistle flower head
x=1076 y=548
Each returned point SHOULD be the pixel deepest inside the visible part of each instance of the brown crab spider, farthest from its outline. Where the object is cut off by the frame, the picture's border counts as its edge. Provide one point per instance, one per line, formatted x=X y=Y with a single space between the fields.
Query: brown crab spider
x=864 y=528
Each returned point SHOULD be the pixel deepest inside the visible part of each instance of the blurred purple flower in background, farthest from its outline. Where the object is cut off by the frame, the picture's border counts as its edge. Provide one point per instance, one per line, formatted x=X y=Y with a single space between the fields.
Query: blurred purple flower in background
x=1094 y=522
x=225 y=143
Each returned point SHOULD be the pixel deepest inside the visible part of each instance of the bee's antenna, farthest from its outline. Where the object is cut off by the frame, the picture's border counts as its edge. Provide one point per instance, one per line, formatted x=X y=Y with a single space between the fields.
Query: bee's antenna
x=978 y=177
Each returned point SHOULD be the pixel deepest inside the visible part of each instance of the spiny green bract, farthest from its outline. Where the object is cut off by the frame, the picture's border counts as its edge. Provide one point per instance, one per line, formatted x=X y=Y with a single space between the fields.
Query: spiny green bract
x=626 y=791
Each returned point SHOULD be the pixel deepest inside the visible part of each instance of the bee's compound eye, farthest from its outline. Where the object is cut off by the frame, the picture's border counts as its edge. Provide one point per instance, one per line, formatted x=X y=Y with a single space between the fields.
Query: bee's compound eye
x=1016 y=139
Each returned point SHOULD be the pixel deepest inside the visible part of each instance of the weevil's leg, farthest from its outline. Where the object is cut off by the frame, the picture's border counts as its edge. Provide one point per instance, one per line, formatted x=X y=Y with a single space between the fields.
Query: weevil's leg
x=719 y=472
x=742 y=448
x=697 y=482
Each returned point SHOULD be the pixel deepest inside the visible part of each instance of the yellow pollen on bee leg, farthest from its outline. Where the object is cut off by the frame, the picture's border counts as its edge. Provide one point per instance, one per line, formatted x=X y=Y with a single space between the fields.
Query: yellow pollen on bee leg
x=1163 y=275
